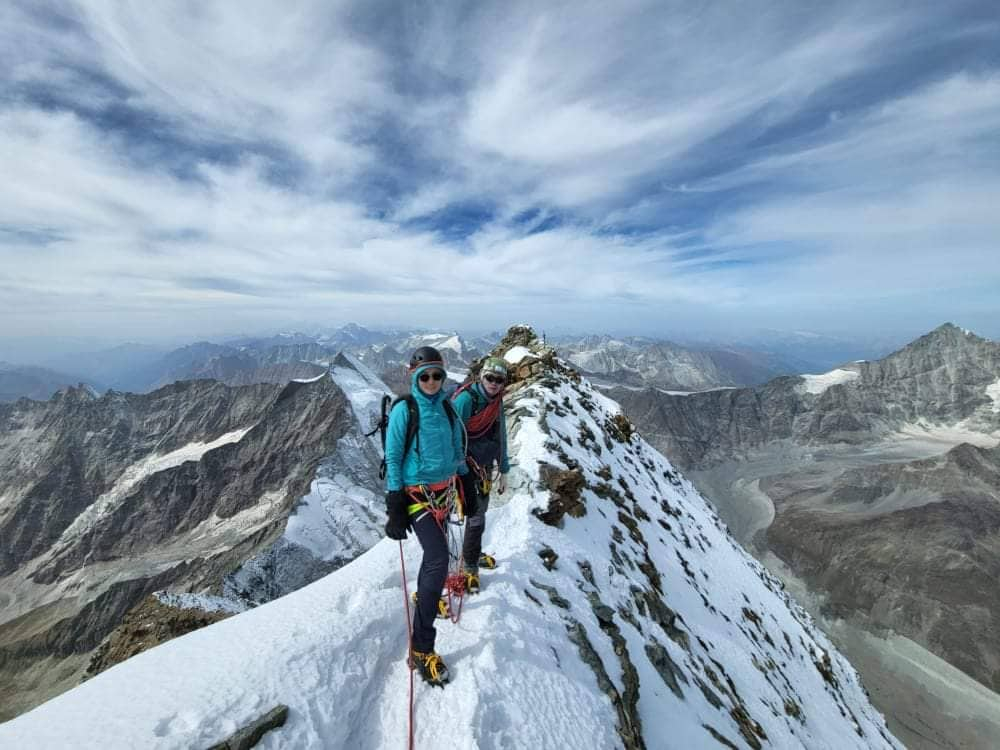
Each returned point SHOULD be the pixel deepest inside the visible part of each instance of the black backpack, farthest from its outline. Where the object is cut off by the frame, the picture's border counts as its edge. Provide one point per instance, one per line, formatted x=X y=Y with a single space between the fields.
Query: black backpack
x=412 y=424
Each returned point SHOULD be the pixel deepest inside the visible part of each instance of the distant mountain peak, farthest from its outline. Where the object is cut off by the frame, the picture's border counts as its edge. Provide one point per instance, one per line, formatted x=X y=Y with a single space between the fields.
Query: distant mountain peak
x=81 y=392
x=945 y=337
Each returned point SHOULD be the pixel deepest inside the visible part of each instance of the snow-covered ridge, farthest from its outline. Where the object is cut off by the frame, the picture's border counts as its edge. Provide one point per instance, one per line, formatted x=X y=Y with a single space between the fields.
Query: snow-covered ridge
x=623 y=614
x=142 y=469
x=362 y=386
x=817 y=384
x=327 y=517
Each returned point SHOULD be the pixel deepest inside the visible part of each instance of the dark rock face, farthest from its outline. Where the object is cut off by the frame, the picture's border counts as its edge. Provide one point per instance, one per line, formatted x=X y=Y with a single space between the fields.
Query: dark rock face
x=83 y=444
x=106 y=499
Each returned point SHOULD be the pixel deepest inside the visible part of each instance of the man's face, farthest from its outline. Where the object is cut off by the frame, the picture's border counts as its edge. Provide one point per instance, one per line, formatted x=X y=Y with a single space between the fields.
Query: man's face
x=492 y=382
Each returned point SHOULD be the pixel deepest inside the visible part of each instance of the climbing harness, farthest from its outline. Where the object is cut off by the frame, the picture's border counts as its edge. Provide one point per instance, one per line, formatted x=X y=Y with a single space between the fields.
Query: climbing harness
x=485 y=478
x=446 y=505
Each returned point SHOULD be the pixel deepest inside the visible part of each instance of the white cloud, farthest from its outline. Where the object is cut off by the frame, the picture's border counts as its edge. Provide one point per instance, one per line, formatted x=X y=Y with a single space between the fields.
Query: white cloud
x=572 y=112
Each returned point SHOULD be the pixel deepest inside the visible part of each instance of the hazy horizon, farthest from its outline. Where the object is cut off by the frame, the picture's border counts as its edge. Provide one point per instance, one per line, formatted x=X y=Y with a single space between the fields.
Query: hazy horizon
x=44 y=351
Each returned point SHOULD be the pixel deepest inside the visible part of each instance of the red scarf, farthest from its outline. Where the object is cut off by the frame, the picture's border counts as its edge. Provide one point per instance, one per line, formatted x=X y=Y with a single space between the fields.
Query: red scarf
x=481 y=423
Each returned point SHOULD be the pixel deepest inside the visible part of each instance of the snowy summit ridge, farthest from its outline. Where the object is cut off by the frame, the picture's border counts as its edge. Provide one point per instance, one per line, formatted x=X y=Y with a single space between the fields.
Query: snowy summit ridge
x=622 y=614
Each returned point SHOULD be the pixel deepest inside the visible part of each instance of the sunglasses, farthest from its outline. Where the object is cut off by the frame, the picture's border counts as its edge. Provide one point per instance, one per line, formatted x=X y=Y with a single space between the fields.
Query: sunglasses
x=496 y=379
x=435 y=376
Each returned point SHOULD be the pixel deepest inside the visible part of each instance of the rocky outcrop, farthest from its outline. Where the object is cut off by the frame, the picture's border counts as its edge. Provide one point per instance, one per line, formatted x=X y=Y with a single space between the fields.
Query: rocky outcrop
x=148 y=624
x=251 y=734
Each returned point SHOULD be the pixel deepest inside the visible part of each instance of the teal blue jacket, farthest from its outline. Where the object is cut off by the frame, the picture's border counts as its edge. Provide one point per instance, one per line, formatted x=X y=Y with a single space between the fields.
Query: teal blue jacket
x=464 y=404
x=441 y=454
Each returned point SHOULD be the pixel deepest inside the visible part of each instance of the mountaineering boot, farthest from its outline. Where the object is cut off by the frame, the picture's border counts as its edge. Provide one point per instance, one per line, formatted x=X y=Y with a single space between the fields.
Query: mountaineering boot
x=471 y=581
x=487 y=561
x=443 y=612
x=431 y=667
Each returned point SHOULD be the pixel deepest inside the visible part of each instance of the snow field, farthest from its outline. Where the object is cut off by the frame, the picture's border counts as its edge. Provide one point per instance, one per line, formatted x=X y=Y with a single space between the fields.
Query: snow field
x=993 y=391
x=725 y=581
x=817 y=384
x=330 y=519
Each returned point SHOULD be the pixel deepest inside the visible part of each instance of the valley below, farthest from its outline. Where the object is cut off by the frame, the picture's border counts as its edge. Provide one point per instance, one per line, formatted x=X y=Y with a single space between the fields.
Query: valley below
x=927 y=702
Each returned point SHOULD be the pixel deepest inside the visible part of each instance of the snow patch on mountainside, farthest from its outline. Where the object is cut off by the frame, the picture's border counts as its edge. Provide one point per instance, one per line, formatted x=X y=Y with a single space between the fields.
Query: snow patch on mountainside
x=993 y=391
x=363 y=388
x=137 y=472
x=817 y=384
x=204 y=602
x=515 y=354
x=945 y=437
x=453 y=343
x=332 y=518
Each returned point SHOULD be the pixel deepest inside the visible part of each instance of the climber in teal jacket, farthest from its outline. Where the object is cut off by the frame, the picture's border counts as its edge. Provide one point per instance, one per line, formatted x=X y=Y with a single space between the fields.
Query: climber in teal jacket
x=438 y=450
x=421 y=492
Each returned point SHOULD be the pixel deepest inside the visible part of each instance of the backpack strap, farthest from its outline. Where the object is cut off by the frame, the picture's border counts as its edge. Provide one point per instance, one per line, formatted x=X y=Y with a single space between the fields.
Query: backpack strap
x=412 y=423
x=472 y=392
x=449 y=409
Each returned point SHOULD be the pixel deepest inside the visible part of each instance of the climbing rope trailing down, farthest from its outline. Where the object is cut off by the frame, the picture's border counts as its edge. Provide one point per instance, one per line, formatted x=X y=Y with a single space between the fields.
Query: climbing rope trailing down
x=409 y=637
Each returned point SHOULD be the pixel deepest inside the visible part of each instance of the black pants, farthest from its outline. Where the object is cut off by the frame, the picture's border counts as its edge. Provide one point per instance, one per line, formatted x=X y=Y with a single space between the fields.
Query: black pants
x=430 y=579
x=475 y=522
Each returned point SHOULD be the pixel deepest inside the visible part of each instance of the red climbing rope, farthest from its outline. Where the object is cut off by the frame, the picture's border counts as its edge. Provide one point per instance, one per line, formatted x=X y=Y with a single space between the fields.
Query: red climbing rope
x=409 y=637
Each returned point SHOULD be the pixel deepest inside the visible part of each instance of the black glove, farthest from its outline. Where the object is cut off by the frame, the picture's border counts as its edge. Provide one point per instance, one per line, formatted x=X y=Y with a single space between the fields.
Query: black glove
x=399 y=519
x=470 y=494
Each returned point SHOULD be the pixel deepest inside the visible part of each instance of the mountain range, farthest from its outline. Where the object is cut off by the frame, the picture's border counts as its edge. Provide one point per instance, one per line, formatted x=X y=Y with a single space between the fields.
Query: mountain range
x=106 y=499
x=631 y=361
x=623 y=614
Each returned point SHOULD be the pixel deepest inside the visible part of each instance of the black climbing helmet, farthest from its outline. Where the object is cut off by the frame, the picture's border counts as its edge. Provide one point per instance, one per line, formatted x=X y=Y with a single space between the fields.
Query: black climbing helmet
x=426 y=355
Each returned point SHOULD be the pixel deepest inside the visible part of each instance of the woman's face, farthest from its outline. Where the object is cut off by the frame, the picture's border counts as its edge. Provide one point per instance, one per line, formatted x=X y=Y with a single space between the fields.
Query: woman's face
x=492 y=383
x=431 y=380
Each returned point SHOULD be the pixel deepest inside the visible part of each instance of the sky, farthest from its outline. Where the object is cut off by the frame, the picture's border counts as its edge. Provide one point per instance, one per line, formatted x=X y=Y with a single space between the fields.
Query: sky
x=179 y=170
